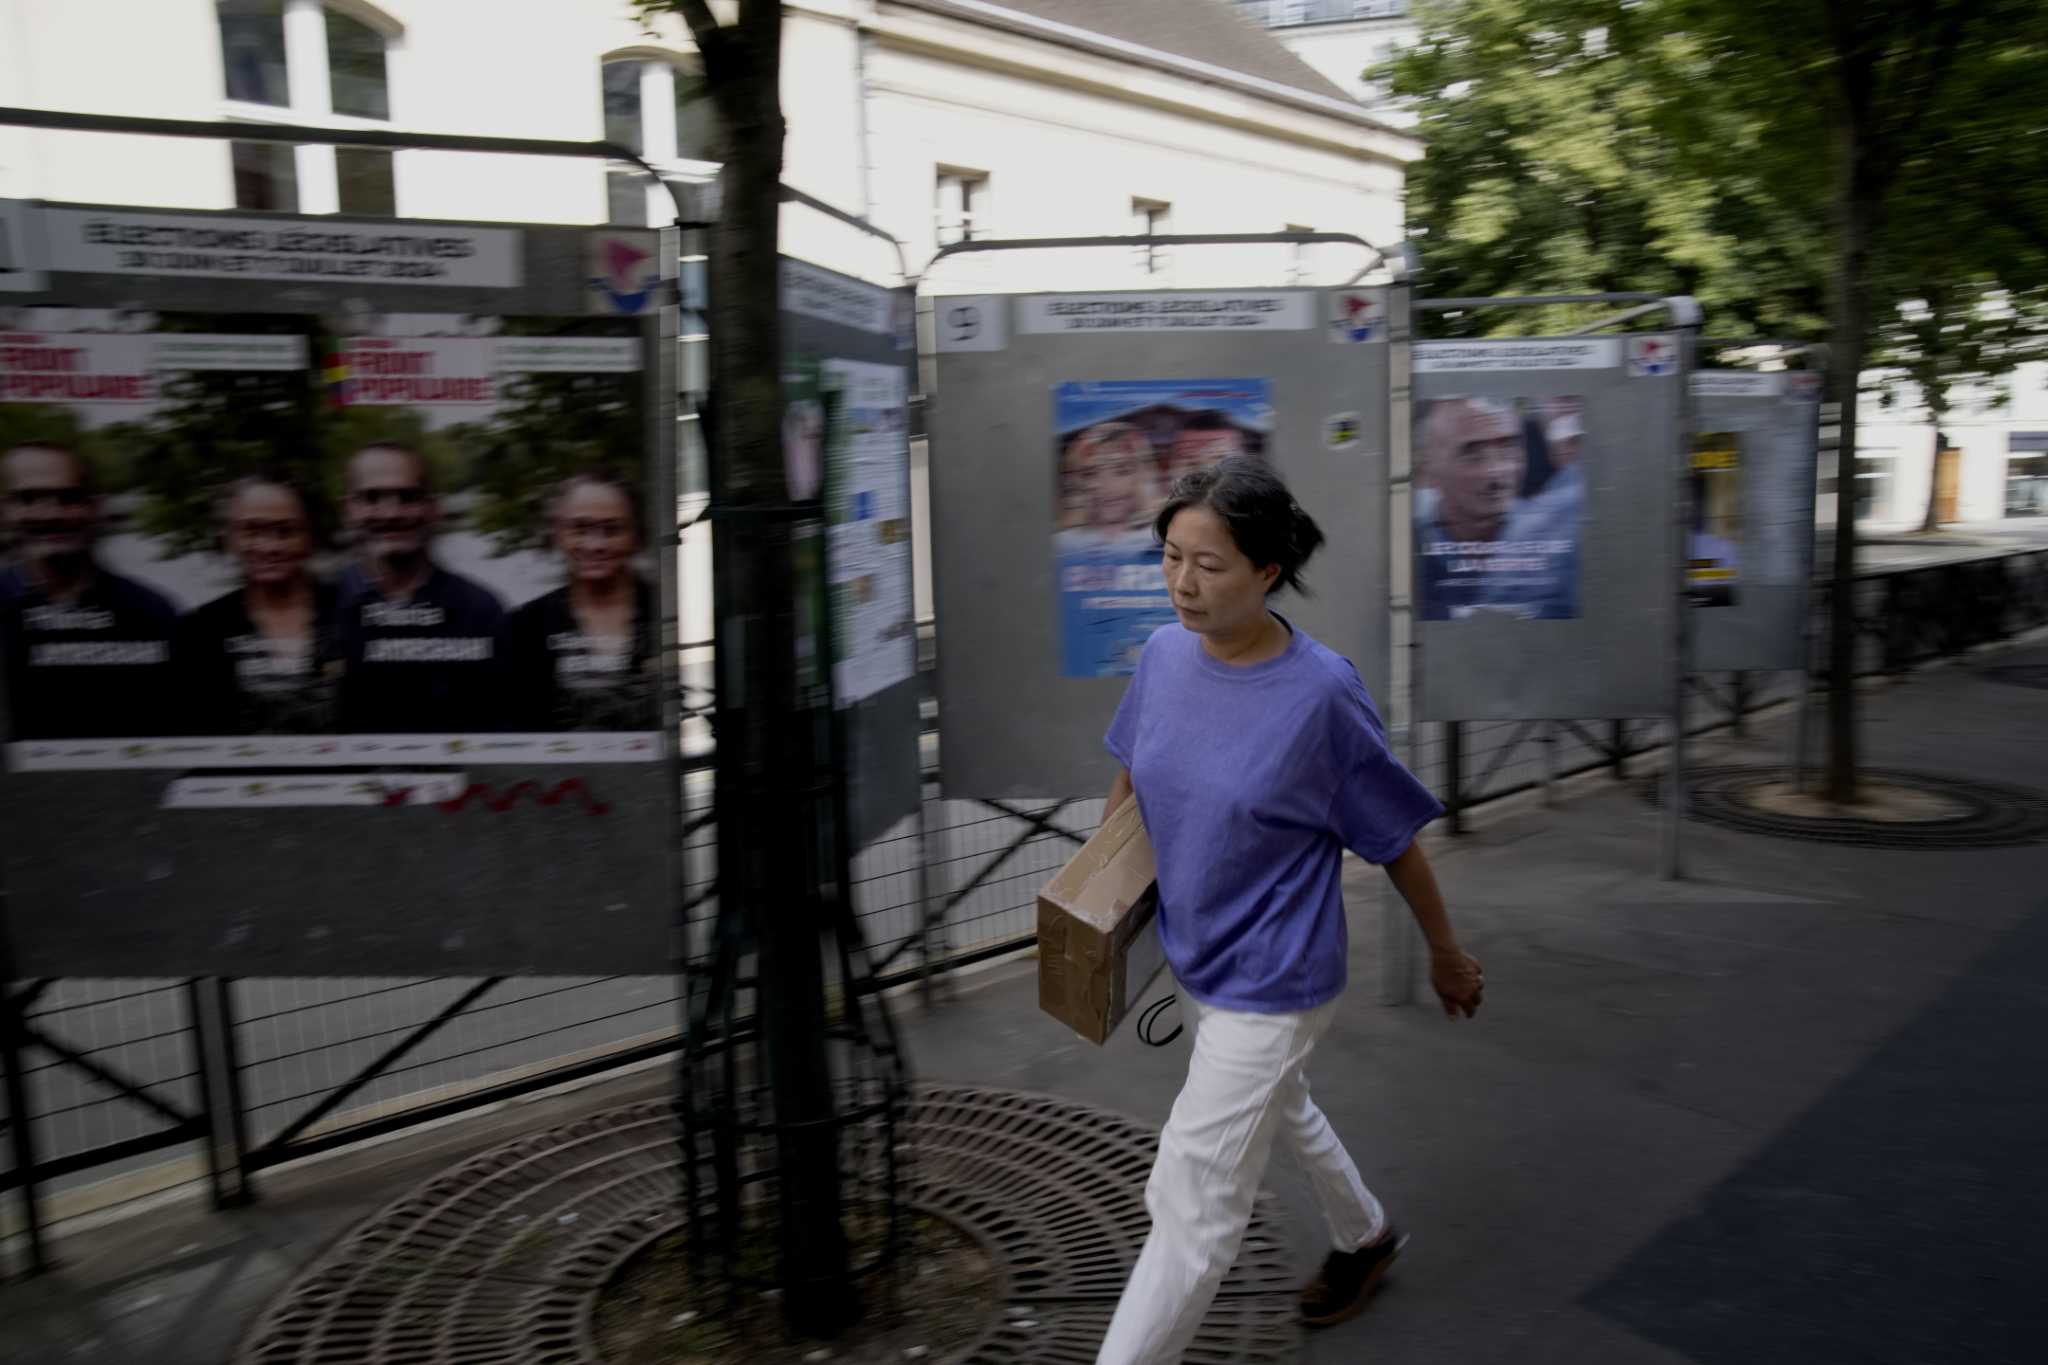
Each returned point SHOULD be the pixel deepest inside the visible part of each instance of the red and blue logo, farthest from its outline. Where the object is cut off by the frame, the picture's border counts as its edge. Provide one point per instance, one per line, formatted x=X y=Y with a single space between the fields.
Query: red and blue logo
x=1356 y=318
x=1652 y=357
x=627 y=274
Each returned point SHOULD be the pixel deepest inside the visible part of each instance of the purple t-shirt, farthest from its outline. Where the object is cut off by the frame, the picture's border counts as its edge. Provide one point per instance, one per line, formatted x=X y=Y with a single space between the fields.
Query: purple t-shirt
x=1252 y=781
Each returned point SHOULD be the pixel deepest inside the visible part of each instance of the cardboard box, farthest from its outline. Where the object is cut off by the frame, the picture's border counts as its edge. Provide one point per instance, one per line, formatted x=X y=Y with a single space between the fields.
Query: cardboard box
x=1098 y=929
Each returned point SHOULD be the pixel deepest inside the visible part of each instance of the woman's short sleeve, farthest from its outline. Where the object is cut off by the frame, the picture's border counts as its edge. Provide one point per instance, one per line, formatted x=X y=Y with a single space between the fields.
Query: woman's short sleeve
x=1122 y=739
x=1378 y=806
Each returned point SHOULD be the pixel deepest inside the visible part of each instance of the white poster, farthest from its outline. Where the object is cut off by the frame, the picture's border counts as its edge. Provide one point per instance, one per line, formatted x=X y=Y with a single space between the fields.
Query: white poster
x=821 y=294
x=1277 y=311
x=875 y=635
x=169 y=245
x=1736 y=384
x=1546 y=353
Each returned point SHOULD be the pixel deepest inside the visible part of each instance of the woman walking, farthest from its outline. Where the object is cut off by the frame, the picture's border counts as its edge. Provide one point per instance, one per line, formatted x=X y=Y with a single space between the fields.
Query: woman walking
x=1257 y=758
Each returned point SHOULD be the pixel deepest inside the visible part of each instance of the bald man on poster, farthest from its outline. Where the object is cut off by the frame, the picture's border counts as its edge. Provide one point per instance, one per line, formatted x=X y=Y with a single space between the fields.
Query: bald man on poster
x=1481 y=548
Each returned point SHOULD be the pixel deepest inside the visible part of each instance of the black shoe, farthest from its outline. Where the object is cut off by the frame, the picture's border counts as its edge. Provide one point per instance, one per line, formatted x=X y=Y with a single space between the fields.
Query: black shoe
x=1348 y=1279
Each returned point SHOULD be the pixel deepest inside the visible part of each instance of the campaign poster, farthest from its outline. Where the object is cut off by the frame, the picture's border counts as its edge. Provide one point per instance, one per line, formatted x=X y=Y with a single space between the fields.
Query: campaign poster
x=497 y=572
x=1119 y=445
x=867 y=503
x=311 y=551
x=130 y=449
x=1500 y=495
x=1713 y=565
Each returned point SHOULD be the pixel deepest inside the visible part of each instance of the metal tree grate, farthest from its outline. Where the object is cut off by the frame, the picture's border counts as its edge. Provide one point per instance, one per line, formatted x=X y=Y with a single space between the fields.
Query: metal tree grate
x=1991 y=814
x=503 y=1258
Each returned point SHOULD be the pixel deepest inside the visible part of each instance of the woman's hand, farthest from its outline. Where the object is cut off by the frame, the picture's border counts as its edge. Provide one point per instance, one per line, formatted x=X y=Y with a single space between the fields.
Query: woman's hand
x=1458 y=979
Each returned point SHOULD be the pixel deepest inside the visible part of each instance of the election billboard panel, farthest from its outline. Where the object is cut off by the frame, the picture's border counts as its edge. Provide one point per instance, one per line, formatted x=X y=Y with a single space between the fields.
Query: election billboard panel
x=1751 y=531
x=1057 y=422
x=1546 y=472
x=335 y=640
x=846 y=443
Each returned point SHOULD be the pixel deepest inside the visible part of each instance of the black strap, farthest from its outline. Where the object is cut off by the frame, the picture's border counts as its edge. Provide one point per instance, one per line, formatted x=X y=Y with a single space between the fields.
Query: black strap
x=1152 y=1013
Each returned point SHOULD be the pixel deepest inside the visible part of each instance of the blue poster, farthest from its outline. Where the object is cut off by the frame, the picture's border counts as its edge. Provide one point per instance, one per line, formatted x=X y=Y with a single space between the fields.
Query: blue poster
x=1119 y=445
x=1500 y=493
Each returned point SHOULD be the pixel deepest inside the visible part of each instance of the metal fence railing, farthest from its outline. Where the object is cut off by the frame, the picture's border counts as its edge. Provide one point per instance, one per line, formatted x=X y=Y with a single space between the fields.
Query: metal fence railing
x=132 y=1089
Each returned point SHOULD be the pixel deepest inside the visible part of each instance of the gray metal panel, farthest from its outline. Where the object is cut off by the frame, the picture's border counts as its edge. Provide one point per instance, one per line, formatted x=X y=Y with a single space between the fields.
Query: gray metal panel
x=884 y=781
x=1009 y=723
x=1765 y=627
x=102 y=881
x=1614 y=659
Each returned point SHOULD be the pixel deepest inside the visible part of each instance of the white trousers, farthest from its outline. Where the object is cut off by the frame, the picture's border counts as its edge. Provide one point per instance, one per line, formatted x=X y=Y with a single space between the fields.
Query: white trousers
x=1245 y=1083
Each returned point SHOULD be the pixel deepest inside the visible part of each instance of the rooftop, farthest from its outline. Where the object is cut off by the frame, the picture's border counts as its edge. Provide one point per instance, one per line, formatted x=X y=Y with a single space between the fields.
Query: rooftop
x=1206 y=39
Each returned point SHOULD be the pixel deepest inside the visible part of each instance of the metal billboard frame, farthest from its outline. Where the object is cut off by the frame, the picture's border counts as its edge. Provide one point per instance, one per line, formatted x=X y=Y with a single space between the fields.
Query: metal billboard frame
x=1686 y=319
x=1818 y=356
x=1396 y=936
x=217 y=1120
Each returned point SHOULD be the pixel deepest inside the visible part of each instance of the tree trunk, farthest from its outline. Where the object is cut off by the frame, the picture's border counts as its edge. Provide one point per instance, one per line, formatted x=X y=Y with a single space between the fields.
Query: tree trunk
x=1857 y=202
x=771 y=810
x=1932 y=521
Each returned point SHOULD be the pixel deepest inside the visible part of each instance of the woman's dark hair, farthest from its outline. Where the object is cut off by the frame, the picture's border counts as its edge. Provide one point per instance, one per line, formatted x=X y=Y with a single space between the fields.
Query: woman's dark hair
x=1264 y=520
x=600 y=477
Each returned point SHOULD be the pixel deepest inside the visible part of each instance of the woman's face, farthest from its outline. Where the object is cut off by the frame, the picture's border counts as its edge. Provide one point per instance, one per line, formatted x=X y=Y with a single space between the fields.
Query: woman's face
x=1216 y=590
x=268 y=534
x=595 y=533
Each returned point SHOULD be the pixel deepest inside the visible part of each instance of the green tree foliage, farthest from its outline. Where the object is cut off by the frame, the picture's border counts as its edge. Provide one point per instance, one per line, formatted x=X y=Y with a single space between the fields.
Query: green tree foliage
x=552 y=426
x=453 y=453
x=1875 y=163
x=212 y=427
x=1559 y=161
x=109 y=452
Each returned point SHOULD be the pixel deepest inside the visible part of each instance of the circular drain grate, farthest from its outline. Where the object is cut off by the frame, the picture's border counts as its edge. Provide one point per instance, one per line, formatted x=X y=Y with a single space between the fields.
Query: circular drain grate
x=501 y=1259
x=1967 y=814
x=2019 y=675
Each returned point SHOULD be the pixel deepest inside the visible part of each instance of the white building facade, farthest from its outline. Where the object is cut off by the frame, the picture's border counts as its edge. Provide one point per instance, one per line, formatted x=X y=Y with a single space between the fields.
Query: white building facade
x=933 y=119
x=930 y=118
x=1997 y=468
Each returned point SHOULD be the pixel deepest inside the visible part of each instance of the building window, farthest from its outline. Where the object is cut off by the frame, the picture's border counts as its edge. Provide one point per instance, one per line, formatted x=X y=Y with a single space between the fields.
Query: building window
x=1283 y=13
x=266 y=176
x=2026 y=474
x=252 y=52
x=622 y=121
x=660 y=111
x=355 y=65
x=1874 y=478
x=363 y=175
x=1149 y=218
x=962 y=205
x=305 y=62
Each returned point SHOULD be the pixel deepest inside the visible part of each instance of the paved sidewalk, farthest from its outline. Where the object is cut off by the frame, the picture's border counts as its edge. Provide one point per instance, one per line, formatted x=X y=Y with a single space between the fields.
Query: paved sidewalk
x=1910 y=548
x=1791 y=1109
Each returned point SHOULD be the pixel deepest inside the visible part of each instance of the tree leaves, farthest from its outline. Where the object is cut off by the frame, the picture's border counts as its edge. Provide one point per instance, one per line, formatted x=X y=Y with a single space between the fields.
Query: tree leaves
x=1690 y=146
